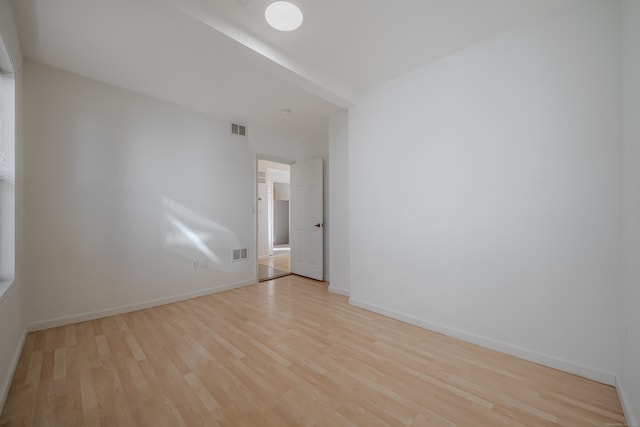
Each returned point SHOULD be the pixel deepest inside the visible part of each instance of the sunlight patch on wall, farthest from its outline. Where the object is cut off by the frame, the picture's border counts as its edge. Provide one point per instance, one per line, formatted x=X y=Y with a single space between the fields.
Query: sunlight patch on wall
x=196 y=239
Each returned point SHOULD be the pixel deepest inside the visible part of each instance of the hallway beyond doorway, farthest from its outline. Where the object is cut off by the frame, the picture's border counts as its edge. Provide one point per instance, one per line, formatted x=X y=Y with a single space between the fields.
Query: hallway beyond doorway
x=275 y=266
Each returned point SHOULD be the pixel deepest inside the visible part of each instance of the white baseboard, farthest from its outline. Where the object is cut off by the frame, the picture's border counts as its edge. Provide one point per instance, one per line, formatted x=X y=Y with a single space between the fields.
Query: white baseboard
x=339 y=291
x=4 y=391
x=82 y=317
x=630 y=416
x=523 y=353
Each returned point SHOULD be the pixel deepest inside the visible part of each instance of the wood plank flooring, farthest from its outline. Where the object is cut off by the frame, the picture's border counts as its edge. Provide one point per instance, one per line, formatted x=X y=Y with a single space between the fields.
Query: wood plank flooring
x=281 y=261
x=273 y=267
x=281 y=353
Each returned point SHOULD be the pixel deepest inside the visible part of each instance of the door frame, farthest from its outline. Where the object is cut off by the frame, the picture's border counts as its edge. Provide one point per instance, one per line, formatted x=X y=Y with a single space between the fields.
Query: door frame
x=256 y=158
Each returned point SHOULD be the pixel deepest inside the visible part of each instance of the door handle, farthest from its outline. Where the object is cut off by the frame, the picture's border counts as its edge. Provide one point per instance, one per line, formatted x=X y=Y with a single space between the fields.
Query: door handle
x=319 y=225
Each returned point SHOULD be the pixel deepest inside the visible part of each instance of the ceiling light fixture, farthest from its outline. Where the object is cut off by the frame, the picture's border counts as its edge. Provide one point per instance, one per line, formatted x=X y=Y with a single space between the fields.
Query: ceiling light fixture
x=283 y=15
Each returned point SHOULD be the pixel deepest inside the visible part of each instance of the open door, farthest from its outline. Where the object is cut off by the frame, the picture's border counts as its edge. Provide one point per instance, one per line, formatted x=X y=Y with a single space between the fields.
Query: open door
x=307 y=222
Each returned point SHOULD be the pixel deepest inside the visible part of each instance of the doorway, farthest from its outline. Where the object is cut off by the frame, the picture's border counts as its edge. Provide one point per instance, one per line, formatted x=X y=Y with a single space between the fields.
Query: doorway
x=274 y=191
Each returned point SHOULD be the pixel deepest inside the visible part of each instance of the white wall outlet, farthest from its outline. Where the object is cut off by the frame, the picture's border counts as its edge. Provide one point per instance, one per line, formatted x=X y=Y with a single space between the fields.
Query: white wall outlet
x=195 y=264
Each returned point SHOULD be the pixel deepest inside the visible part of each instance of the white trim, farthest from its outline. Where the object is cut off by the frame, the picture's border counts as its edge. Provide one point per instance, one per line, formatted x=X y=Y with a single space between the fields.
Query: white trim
x=274 y=159
x=523 y=353
x=629 y=415
x=4 y=392
x=82 y=317
x=339 y=291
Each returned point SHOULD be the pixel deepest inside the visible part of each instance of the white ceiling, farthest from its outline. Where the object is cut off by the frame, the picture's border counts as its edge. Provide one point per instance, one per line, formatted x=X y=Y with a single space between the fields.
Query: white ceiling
x=221 y=58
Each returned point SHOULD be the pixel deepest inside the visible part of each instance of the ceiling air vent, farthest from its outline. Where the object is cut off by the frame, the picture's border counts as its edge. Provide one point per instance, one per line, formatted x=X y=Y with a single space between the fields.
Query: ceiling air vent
x=239 y=254
x=237 y=129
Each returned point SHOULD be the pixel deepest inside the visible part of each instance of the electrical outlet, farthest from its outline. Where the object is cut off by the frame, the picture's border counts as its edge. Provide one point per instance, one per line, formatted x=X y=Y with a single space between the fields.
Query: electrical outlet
x=195 y=264
x=205 y=262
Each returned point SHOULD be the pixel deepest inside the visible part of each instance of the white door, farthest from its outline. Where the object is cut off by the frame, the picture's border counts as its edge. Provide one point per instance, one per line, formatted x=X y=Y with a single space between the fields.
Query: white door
x=270 y=215
x=263 y=224
x=307 y=223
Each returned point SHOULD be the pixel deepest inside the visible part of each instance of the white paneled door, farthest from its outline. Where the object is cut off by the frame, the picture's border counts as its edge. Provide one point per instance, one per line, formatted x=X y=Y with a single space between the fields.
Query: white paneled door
x=307 y=222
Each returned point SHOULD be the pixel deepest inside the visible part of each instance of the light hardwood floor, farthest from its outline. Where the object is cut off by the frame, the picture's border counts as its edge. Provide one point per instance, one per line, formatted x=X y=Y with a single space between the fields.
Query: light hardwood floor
x=284 y=352
x=280 y=261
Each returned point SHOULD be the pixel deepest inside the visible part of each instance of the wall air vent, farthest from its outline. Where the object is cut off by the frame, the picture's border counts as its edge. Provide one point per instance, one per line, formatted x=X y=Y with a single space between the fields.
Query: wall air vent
x=239 y=254
x=237 y=129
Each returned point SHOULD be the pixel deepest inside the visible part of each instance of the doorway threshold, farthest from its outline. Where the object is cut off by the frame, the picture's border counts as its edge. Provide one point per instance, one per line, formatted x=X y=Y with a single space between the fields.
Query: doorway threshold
x=266 y=272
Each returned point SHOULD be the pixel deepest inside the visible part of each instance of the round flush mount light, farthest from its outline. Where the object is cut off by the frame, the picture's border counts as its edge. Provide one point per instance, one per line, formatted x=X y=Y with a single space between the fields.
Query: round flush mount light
x=283 y=15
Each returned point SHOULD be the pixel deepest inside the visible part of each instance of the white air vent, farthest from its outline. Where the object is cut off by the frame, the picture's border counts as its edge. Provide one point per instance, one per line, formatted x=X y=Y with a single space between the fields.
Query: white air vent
x=239 y=254
x=237 y=129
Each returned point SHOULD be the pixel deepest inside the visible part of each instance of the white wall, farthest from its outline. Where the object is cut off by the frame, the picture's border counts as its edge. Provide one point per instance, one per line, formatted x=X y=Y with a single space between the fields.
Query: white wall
x=339 y=210
x=11 y=55
x=629 y=377
x=282 y=191
x=503 y=164
x=271 y=147
x=122 y=194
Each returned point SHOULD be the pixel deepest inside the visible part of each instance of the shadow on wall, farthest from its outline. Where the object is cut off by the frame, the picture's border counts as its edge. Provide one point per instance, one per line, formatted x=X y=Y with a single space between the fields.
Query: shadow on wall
x=196 y=239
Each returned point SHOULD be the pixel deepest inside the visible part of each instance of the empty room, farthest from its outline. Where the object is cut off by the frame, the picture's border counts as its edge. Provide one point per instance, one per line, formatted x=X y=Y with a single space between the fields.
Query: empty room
x=448 y=191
